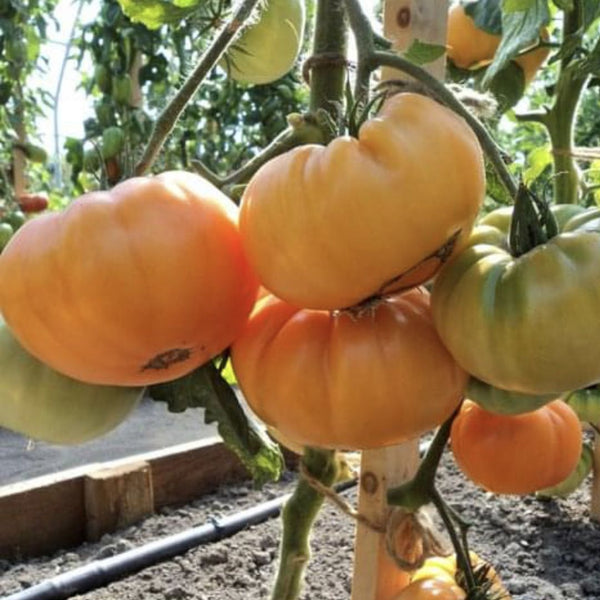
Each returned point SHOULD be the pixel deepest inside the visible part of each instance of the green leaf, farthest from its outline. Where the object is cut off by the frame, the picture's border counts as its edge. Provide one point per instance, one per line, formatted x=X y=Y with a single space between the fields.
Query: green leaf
x=486 y=14
x=521 y=24
x=154 y=13
x=537 y=161
x=206 y=388
x=508 y=86
x=421 y=53
x=495 y=189
x=590 y=11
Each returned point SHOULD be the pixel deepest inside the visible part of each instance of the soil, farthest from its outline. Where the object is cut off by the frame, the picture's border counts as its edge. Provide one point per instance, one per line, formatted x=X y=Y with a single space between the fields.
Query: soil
x=543 y=550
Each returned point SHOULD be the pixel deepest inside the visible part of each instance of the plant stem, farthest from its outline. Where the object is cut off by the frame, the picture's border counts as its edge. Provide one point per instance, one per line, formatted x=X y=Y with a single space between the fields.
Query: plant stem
x=365 y=47
x=169 y=116
x=298 y=517
x=328 y=71
x=418 y=491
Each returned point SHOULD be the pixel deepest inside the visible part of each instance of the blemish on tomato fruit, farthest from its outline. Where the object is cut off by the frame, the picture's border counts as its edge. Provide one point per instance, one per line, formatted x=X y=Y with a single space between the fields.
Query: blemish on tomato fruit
x=368 y=482
x=165 y=359
x=403 y=17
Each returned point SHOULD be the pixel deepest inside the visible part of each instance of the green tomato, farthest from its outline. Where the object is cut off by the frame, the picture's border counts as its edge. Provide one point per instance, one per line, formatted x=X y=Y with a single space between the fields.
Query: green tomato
x=529 y=324
x=575 y=479
x=504 y=402
x=15 y=219
x=586 y=404
x=268 y=49
x=91 y=160
x=36 y=153
x=6 y=232
x=121 y=89
x=40 y=403
x=113 y=140
x=102 y=78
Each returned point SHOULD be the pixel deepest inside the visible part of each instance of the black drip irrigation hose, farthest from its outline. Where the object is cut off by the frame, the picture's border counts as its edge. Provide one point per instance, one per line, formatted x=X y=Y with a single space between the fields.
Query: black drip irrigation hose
x=102 y=572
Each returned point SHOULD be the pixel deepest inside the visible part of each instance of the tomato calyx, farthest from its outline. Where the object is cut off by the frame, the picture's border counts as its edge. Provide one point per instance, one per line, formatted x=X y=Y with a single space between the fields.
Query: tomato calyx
x=532 y=223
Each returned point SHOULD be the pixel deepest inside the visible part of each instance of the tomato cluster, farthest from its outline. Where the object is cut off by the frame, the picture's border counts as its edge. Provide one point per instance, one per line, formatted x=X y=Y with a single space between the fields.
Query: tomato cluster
x=13 y=214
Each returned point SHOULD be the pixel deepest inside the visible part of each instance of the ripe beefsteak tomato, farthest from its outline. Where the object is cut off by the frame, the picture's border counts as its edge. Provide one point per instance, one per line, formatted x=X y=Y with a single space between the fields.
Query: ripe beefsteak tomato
x=328 y=227
x=137 y=285
x=343 y=380
x=516 y=454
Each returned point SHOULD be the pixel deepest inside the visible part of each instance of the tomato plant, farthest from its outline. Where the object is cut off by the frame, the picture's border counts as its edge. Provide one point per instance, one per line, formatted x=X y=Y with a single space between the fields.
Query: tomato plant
x=130 y=269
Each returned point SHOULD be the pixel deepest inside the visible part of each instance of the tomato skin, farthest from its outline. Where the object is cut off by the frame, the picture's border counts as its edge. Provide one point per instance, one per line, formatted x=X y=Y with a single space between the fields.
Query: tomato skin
x=45 y=405
x=512 y=321
x=431 y=589
x=345 y=381
x=159 y=286
x=268 y=49
x=436 y=579
x=348 y=218
x=586 y=403
x=575 y=479
x=468 y=46
x=490 y=448
x=504 y=402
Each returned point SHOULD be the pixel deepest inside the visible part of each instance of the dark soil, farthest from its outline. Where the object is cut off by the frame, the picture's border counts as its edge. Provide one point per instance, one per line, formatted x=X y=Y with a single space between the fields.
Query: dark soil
x=543 y=550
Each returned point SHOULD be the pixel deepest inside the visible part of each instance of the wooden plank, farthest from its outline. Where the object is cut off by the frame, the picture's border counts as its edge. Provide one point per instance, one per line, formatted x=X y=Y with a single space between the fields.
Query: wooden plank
x=116 y=497
x=41 y=520
x=180 y=474
x=186 y=476
x=375 y=576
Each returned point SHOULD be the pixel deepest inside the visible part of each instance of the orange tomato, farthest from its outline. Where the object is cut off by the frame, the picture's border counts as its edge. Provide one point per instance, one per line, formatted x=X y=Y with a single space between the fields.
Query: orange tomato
x=133 y=286
x=469 y=46
x=327 y=227
x=342 y=380
x=516 y=454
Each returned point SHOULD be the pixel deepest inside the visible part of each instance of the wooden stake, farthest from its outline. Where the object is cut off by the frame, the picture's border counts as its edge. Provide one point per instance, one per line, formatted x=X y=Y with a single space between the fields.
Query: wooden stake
x=375 y=576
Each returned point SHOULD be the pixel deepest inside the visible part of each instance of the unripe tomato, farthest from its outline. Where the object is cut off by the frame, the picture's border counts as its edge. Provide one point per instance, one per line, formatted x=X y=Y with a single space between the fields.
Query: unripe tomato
x=121 y=89
x=113 y=140
x=45 y=405
x=102 y=78
x=516 y=454
x=6 y=232
x=268 y=49
x=16 y=218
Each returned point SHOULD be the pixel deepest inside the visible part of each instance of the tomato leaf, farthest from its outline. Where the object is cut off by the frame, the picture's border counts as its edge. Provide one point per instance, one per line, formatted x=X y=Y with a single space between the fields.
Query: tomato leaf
x=522 y=21
x=154 y=13
x=206 y=388
x=486 y=14
x=421 y=53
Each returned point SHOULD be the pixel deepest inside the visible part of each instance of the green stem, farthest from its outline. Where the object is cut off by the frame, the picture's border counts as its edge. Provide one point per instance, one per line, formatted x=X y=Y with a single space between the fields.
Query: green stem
x=365 y=47
x=560 y=122
x=298 y=517
x=328 y=71
x=419 y=490
x=460 y=548
x=169 y=116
